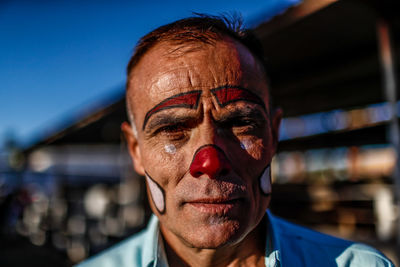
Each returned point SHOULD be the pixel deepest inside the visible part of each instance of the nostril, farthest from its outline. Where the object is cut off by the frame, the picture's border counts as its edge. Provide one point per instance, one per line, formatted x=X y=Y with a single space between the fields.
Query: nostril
x=224 y=172
x=197 y=174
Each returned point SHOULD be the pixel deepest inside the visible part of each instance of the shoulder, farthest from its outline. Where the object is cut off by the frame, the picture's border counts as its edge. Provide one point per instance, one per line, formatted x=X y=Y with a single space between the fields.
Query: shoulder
x=362 y=255
x=135 y=251
x=287 y=230
x=312 y=248
x=125 y=253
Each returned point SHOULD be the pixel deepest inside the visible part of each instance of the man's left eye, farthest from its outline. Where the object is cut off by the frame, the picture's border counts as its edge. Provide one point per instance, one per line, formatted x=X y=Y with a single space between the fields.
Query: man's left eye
x=240 y=123
x=245 y=126
x=170 y=128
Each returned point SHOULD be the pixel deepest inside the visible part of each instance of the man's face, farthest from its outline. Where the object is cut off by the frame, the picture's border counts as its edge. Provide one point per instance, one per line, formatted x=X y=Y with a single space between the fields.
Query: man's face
x=204 y=137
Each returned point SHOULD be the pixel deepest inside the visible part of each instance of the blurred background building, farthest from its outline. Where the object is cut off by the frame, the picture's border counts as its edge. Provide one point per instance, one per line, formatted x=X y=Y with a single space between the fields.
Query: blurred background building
x=74 y=193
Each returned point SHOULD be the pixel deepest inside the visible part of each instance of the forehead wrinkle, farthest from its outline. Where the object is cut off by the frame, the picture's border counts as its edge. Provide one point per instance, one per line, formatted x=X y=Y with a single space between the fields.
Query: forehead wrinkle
x=185 y=71
x=188 y=70
x=178 y=49
x=236 y=64
x=172 y=78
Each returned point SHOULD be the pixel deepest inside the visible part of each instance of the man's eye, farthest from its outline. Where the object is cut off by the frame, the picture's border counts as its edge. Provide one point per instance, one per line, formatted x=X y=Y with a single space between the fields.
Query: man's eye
x=169 y=128
x=245 y=126
x=173 y=132
x=244 y=122
x=240 y=123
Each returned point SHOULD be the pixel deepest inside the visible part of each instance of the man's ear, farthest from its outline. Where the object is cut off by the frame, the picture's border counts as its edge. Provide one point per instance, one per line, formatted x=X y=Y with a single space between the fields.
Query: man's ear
x=276 y=118
x=133 y=147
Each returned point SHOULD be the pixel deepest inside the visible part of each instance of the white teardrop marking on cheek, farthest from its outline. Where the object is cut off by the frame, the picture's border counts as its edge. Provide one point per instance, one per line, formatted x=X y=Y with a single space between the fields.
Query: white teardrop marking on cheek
x=265 y=181
x=156 y=194
x=246 y=144
x=170 y=148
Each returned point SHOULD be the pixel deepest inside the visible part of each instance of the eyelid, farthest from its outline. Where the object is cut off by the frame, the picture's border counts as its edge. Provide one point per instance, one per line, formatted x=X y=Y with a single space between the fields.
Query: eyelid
x=246 y=111
x=241 y=118
x=158 y=122
x=181 y=126
x=173 y=135
x=170 y=126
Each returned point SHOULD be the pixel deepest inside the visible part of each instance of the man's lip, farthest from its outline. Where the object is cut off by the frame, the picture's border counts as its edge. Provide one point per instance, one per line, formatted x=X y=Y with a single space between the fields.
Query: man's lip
x=213 y=200
x=221 y=206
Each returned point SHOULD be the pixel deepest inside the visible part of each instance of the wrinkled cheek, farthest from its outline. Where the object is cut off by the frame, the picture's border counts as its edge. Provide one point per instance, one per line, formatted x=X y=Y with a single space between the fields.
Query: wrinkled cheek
x=163 y=171
x=164 y=158
x=254 y=148
x=253 y=153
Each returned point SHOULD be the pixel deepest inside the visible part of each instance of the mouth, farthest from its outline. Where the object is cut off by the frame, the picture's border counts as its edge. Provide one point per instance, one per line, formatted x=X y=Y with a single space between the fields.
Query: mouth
x=214 y=205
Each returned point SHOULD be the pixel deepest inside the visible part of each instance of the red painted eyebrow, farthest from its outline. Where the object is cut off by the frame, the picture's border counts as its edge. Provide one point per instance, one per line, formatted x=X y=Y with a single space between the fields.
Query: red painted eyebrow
x=229 y=94
x=185 y=100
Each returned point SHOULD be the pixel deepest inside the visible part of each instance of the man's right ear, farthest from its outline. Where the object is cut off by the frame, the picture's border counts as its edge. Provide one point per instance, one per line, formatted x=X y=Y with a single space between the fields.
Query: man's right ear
x=133 y=147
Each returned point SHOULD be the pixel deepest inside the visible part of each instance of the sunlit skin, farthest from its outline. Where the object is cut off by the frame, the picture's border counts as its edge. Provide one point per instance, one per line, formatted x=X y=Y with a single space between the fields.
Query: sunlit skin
x=209 y=220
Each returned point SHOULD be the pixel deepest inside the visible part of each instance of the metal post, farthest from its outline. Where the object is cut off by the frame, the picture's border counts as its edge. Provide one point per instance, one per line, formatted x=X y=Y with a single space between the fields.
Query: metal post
x=389 y=83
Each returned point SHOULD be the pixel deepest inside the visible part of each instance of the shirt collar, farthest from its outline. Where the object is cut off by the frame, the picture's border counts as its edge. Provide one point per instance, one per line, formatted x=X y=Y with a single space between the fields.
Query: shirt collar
x=273 y=255
x=153 y=248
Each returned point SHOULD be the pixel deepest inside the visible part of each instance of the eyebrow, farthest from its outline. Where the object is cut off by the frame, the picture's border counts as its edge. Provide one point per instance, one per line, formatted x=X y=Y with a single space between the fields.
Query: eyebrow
x=228 y=94
x=184 y=100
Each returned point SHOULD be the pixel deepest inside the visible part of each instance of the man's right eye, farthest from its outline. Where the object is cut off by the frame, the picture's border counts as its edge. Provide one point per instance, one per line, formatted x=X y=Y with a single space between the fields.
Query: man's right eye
x=169 y=128
x=172 y=132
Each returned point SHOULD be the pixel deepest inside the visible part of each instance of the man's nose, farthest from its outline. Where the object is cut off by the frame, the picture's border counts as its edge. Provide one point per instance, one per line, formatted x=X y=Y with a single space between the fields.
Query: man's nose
x=209 y=160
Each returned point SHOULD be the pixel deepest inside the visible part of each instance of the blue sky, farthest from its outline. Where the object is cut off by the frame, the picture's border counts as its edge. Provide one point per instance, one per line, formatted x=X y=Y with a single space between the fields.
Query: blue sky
x=60 y=57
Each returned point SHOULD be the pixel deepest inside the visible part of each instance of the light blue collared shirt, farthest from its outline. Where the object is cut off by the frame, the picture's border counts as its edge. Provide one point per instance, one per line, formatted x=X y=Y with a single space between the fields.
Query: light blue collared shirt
x=292 y=245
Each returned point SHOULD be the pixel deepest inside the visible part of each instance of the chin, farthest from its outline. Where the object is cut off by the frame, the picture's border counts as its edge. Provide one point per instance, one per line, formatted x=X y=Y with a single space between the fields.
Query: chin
x=215 y=235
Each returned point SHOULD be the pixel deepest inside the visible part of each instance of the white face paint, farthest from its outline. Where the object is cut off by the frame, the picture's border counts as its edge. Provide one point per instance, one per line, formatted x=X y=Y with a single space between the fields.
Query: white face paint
x=246 y=144
x=156 y=194
x=265 y=181
x=171 y=149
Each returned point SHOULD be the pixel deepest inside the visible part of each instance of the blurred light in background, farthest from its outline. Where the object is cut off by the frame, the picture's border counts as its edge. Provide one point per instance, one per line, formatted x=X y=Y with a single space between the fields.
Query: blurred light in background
x=336 y=120
x=96 y=200
x=332 y=164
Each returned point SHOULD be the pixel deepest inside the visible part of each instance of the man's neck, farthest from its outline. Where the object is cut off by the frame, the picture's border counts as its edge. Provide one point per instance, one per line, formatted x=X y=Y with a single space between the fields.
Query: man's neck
x=248 y=252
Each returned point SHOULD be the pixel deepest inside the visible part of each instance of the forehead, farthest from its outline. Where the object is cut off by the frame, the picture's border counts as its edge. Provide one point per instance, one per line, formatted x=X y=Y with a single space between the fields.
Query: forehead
x=165 y=71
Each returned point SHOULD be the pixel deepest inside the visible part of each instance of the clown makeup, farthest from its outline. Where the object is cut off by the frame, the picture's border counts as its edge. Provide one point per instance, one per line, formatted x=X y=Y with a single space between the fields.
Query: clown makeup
x=157 y=194
x=229 y=94
x=208 y=159
x=265 y=181
x=186 y=100
x=224 y=96
x=211 y=160
x=170 y=149
x=246 y=144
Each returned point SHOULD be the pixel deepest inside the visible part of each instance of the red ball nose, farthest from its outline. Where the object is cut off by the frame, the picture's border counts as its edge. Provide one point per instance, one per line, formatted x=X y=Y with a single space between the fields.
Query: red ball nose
x=209 y=160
